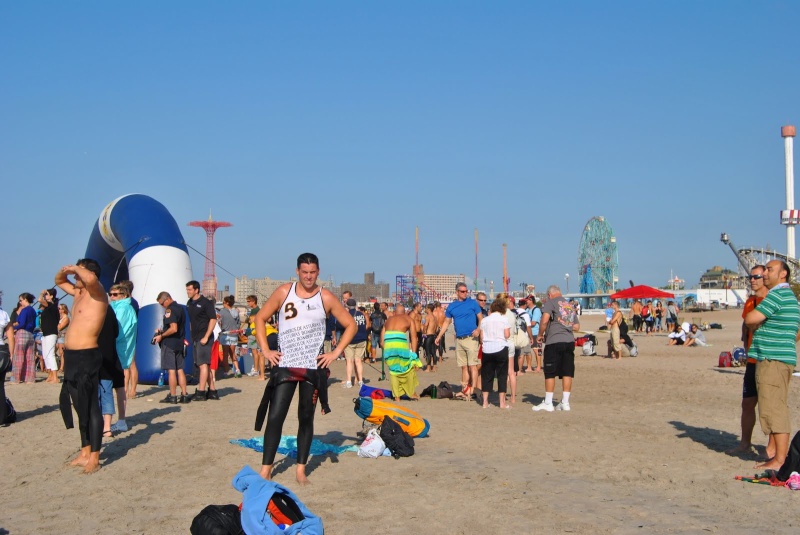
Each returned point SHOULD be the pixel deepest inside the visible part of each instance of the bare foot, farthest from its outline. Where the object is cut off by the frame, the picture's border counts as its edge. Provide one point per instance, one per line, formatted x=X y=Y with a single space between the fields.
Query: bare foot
x=80 y=460
x=772 y=464
x=300 y=475
x=741 y=448
x=93 y=464
x=266 y=471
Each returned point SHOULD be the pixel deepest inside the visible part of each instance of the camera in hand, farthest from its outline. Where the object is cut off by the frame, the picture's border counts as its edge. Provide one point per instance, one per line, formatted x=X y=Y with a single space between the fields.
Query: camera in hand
x=153 y=340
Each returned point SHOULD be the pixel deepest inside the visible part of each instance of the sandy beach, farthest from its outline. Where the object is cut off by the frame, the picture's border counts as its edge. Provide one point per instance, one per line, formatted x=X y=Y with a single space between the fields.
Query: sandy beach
x=642 y=451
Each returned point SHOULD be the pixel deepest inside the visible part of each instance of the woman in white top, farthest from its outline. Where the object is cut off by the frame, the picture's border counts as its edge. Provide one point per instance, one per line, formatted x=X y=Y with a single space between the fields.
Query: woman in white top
x=511 y=320
x=494 y=337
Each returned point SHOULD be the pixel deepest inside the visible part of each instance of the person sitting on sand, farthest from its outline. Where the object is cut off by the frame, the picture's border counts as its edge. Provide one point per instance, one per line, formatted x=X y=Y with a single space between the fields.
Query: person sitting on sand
x=695 y=337
x=399 y=343
x=677 y=337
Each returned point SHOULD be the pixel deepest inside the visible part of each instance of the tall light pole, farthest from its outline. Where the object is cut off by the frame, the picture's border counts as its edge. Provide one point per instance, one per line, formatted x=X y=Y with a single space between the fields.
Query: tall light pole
x=566 y=277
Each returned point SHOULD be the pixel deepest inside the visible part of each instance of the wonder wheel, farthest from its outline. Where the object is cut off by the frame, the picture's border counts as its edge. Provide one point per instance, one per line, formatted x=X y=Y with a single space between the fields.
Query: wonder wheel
x=598 y=264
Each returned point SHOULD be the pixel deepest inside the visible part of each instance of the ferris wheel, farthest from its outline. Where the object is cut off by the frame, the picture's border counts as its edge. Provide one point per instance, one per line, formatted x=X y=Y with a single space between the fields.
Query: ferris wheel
x=598 y=264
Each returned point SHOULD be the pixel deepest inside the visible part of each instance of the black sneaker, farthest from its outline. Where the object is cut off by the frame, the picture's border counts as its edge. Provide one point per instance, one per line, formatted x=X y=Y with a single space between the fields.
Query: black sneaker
x=170 y=399
x=185 y=398
x=213 y=394
x=200 y=395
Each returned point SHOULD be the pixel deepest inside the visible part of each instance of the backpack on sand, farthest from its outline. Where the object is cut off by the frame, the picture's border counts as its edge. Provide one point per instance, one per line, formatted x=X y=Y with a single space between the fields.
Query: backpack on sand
x=398 y=441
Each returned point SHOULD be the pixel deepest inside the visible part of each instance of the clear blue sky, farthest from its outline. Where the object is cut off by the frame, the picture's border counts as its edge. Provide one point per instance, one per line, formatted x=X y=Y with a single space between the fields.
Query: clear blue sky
x=337 y=127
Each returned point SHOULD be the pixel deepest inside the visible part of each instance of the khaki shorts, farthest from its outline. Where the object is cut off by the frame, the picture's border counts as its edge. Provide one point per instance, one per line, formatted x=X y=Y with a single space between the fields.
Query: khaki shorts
x=615 y=338
x=355 y=351
x=467 y=351
x=772 y=380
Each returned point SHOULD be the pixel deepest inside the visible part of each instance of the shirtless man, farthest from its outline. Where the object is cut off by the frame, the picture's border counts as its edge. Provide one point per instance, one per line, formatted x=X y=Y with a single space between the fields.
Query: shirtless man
x=82 y=358
x=430 y=328
x=302 y=307
x=399 y=342
x=438 y=313
x=416 y=317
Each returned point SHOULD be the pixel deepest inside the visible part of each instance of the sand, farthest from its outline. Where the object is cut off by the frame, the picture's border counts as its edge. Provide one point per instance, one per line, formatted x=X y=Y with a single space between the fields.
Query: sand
x=642 y=451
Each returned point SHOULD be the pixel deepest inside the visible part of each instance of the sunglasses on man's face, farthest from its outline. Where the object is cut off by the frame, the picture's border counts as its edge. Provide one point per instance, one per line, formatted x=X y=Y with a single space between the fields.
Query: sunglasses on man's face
x=114 y=294
x=755 y=277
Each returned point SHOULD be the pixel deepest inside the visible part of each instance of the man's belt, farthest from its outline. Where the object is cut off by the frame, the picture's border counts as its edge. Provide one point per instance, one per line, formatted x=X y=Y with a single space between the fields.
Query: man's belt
x=462 y=337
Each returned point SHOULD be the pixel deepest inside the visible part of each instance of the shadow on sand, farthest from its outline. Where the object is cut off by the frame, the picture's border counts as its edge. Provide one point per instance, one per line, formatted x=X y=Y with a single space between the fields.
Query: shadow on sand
x=143 y=429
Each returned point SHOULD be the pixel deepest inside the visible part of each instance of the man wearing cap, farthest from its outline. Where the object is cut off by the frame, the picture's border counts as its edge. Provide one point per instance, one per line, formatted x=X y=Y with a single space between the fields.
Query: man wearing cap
x=357 y=348
x=465 y=314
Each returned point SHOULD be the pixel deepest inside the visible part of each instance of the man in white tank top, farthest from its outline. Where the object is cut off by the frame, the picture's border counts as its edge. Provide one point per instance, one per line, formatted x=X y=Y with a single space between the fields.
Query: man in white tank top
x=302 y=308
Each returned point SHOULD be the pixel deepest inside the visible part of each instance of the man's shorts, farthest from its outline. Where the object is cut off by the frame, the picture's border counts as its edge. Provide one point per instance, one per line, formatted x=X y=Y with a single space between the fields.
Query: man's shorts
x=615 y=338
x=749 y=389
x=559 y=360
x=355 y=351
x=375 y=339
x=536 y=343
x=526 y=349
x=229 y=339
x=772 y=380
x=201 y=353
x=466 y=351
x=171 y=359
x=252 y=343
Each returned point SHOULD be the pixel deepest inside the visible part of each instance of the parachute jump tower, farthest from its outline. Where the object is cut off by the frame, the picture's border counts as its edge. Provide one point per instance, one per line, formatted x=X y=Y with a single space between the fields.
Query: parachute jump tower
x=209 y=286
x=598 y=264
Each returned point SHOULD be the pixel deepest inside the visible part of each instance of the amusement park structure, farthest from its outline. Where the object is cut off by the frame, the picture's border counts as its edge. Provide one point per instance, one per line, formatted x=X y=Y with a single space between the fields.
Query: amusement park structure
x=209 y=286
x=750 y=256
x=598 y=263
x=413 y=289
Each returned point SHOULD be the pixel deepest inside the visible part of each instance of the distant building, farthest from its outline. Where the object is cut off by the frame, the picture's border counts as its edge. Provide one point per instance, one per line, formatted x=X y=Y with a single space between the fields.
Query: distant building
x=367 y=291
x=263 y=288
x=719 y=277
x=426 y=288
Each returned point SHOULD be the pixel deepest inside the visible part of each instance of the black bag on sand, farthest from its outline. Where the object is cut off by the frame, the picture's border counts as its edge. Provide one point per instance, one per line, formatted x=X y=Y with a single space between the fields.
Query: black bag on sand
x=792 y=462
x=427 y=392
x=398 y=441
x=444 y=390
x=218 y=520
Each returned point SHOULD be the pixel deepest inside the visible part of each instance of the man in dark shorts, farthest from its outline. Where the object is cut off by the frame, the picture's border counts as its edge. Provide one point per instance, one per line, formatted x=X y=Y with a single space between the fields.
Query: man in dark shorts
x=170 y=337
x=202 y=319
x=82 y=358
x=559 y=322
x=749 y=391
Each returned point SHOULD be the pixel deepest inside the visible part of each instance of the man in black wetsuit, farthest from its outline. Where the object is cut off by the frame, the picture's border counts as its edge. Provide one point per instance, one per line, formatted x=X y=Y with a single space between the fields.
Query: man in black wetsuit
x=82 y=358
x=302 y=309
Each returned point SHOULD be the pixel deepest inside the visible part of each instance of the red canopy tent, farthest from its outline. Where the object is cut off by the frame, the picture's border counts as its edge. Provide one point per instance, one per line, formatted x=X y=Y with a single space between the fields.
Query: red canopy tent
x=640 y=292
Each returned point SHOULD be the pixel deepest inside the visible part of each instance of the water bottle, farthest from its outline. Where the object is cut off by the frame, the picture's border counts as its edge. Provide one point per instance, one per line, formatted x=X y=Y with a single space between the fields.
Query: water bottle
x=161 y=379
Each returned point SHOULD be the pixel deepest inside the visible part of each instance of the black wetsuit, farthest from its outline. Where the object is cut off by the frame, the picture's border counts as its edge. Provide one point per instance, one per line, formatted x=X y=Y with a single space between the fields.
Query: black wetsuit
x=278 y=393
x=81 y=382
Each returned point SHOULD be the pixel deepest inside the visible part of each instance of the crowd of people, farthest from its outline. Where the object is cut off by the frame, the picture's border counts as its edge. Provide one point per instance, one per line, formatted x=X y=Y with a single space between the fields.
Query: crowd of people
x=302 y=328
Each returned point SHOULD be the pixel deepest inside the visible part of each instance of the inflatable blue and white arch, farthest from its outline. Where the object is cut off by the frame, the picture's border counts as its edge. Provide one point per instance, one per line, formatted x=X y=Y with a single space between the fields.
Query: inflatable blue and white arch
x=136 y=238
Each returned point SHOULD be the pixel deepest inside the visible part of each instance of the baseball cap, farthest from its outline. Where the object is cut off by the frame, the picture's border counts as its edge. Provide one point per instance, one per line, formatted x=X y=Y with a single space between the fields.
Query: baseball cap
x=351 y=302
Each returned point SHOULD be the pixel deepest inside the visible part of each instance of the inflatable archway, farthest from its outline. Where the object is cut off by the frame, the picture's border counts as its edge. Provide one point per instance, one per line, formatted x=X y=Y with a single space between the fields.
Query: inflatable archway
x=137 y=239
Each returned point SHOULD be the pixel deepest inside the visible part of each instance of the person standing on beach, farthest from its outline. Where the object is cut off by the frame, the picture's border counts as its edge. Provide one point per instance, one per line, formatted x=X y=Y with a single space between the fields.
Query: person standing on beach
x=357 y=348
x=82 y=358
x=559 y=322
x=6 y=350
x=376 y=320
x=775 y=324
x=429 y=338
x=613 y=327
x=48 y=303
x=749 y=389
x=466 y=315
x=302 y=307
x=202 y=319
x=416 y=317
x=399 y=342
x=439 y=342
x=171 y=340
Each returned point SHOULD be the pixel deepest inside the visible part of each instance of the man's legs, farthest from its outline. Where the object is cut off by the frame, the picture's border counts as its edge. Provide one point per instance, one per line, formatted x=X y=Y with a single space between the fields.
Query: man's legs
x=133 y=381
x=360 y=352
x=173 y=381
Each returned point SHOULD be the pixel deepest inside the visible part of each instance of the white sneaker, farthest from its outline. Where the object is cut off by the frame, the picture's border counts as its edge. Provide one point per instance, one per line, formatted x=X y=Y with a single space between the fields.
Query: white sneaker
x=253 y=372
x=562 y=406
x=348 y=384
x=543 y=407
x=361 y=383
x=119 y=426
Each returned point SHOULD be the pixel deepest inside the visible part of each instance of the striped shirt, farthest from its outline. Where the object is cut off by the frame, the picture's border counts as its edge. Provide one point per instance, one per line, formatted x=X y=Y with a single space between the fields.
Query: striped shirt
x=775 y=338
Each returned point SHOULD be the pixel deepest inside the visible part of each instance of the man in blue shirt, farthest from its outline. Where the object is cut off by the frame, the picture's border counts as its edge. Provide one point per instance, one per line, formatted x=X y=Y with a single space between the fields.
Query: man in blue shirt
x=465 y=314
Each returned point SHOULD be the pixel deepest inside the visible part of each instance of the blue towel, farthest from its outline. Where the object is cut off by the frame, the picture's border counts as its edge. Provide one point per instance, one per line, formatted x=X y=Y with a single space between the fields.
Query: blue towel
x=288 y=446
